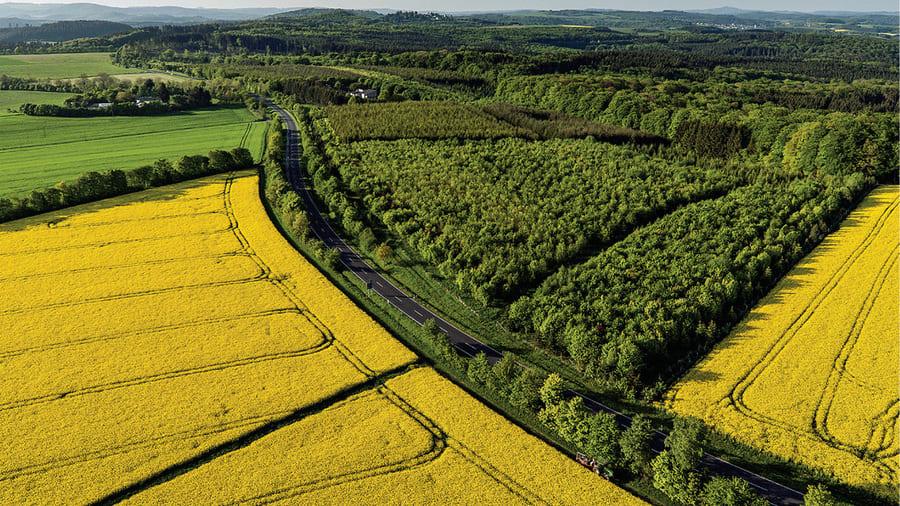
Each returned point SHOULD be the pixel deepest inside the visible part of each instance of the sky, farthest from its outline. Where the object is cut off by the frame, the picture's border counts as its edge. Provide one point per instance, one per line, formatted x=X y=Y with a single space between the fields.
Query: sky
x=482 y=5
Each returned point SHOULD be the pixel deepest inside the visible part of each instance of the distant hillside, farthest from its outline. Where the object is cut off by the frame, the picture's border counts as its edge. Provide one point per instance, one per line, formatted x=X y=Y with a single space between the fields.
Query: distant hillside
x=61 y=31
x=42 y=13
x=327 y=14
x=17 y=22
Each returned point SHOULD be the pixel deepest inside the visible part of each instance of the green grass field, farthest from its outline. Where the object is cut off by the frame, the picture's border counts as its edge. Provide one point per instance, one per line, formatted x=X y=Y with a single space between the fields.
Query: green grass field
x=36 y=152
x=59 y=66
x=13 y=99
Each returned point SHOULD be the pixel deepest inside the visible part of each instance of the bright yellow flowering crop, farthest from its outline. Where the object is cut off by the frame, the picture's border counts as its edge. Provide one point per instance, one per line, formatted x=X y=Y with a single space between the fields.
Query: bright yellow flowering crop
x=418 y=439
x=811 y=374
x=171 y=346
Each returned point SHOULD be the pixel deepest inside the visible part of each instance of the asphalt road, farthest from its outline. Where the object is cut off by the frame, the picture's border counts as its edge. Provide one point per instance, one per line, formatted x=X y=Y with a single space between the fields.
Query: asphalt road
x=467 y=345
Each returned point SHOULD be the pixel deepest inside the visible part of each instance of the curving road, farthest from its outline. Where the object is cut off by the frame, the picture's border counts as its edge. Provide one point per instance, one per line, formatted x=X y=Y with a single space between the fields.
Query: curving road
x=467 y=345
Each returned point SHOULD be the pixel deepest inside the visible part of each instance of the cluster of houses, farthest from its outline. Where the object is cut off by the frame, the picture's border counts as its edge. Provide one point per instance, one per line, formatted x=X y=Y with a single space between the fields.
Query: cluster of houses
x=139 y=101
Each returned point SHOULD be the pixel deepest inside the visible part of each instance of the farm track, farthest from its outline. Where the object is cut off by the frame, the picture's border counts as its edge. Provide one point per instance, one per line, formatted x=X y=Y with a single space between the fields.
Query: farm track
x=152 y=330
x=818 y=420
x=465 y=344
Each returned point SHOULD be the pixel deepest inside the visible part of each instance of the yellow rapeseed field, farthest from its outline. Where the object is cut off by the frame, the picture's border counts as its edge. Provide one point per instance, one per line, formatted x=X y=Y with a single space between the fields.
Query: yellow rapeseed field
x=418 y=439
x=812 y=373
x=170 y=346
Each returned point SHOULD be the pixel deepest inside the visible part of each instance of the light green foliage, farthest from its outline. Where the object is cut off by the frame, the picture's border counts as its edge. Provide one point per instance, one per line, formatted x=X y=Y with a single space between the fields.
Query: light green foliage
x=479 y=369
x=685 y=443
x=552 y=390
x=719 y=491
x=603 y=439
x=635 y=445
x=682 y=486
x=819 y=495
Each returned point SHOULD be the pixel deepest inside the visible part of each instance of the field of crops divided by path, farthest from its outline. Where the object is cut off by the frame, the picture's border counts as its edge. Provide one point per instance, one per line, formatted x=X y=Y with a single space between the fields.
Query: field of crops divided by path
x=170 y=347
x=37 y=152
x=811 y=373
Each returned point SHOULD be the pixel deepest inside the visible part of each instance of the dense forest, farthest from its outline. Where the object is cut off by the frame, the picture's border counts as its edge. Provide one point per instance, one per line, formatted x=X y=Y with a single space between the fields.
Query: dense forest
x=60 y=31
x=605 y=253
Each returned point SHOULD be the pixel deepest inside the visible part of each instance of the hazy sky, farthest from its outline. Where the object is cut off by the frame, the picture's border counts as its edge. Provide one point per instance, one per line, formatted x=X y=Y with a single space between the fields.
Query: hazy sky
x=464 y=5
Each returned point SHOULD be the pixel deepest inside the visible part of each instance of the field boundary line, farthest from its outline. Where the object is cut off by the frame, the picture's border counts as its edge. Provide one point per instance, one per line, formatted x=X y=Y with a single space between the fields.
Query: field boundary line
x=150 y=330
x=173 y=471
x=143 y=380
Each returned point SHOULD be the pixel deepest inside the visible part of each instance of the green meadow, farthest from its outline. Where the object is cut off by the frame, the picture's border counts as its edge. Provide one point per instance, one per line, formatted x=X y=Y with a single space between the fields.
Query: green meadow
x=36 y=152
x=59 y=66
x=10 y=99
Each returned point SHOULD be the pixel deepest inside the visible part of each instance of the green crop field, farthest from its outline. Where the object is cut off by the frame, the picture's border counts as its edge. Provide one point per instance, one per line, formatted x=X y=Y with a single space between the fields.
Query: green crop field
x=36 y=152
x=10 y=99
x=59 y=66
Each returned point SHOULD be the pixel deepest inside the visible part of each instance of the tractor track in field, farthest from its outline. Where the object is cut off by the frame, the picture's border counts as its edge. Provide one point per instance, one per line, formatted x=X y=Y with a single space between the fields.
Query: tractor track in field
x=735 y=397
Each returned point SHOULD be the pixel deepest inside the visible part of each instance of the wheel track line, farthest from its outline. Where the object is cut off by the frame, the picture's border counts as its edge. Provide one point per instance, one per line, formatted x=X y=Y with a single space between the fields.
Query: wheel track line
x=246 y=439
x=285 y=290
x=64 y=226
x=514 y=487
x=781 y=343
x=163 y=376
x=431 y=454
x=735 y=395
x=835 y=376
x=145 y=263
x=133 y=295
x=150 y=330
x=175 y=437
x=110 y=243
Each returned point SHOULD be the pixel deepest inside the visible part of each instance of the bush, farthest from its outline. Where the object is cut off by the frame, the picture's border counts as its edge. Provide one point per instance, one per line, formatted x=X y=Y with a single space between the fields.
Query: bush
x=635 y=445
x=242 y=157
x=719 y=491
x=332 y=258
x=221 y=161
